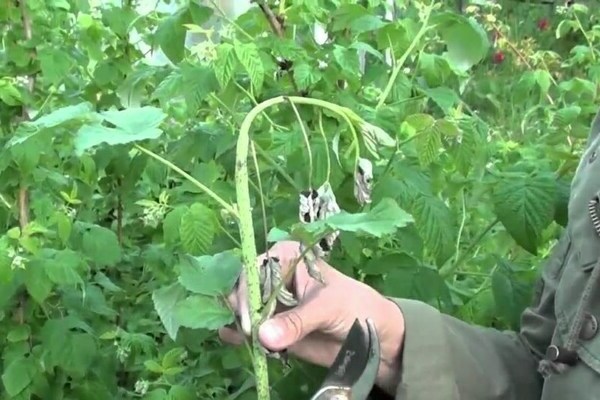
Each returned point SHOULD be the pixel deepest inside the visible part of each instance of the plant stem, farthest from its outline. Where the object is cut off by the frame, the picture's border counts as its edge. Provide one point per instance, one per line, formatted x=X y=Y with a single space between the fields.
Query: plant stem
x=277 y=167
x=306 y=142
x=449 y=269
x=399 y=65
x=201 y=186
x=326 y=146
x=246 y=228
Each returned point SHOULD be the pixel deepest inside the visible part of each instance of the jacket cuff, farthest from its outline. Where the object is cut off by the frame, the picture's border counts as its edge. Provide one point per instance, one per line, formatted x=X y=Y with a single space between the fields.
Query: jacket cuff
x=426 y=359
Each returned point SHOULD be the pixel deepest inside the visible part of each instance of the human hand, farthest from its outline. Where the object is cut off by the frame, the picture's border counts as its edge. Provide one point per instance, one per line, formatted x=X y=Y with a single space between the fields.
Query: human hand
x=315 y=329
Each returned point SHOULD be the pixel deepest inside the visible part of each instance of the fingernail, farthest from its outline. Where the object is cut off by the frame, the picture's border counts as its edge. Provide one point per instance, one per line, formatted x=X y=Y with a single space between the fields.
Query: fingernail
x=271 y=333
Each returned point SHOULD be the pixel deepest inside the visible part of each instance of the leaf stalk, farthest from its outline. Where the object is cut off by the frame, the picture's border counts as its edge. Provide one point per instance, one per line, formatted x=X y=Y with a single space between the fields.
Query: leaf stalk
x=400 y=63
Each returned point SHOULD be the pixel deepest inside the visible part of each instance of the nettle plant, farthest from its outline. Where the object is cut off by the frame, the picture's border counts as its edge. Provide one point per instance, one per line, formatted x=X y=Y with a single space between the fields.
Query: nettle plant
x=135 y=192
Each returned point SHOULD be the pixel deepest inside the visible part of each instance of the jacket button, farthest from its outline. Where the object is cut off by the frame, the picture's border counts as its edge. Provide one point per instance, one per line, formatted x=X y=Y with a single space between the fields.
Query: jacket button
x=561 y=355
x=589 y=328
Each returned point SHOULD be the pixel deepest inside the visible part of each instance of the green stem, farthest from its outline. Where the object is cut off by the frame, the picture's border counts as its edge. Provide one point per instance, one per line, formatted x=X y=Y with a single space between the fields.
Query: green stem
x=326 y=146
x=246 y=227
x=277 y=167
x=449 y=269
x=585 y=35
x=306 y=142
x=400 y=64
x=261 y=194
x=6 y=203
x=201 y=186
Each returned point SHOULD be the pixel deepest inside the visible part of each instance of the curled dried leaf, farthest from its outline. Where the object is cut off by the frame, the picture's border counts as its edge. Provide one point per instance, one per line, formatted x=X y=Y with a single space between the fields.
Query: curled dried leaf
x=375 y=137
x=327 y=202
x=328 y=206
x=308 y=205
x=310 y=259
x=363 y=181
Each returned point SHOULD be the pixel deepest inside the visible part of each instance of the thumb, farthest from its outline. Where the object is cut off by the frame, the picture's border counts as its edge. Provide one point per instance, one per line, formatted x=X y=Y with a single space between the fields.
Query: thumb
x=285 y=329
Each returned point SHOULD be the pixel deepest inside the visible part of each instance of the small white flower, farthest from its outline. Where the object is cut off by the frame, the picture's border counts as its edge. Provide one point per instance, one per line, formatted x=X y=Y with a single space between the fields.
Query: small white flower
x=141 y=386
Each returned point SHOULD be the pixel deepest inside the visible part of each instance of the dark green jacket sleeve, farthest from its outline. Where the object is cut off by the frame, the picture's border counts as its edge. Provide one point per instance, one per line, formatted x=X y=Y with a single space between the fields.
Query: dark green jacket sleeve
x=444 y=358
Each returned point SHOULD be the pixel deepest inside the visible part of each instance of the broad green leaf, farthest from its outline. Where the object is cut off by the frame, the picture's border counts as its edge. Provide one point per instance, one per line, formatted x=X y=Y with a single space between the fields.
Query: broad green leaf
x=383 y=219
x=429 y=144
x=435 y=224
x=153 y=366
x=210 y=275
x=180 y=392
x=170 y=35
x=136 y=120
x=101 y=245
x=468 y=148
x=198 y=81
x=90 y=136
x=224 y=63
x=566 y=116
x=55 y=64
x=390 y=262
x=444 y=97
x=511 y=293
x=543 y=79
x=420 y=283
x=171 y=224
x=356 y=18
x=6 y=271
x=131 y=125
x=37 y=283
x=9 y=94
x=202 y=312
x=278 y=235
x=19 y=333
x=525 y=205
x=79 y=113
x=249 y=56
x=466 y=41
x=346 y=59
x=197 y=229
x=427 y=140
x=305 y=75
x=63 y=226
x=72 y=351
x=165 y=300
x=169 y=88
x=62 y=267
x=173 y=357
x=18 y=375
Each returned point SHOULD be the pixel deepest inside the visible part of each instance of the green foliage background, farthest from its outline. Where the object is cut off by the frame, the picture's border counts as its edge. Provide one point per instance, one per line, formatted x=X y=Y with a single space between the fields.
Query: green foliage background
x=113 y=266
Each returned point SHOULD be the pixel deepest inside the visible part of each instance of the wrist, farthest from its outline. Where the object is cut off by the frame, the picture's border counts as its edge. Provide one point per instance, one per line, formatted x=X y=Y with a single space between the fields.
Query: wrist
x=391 y=338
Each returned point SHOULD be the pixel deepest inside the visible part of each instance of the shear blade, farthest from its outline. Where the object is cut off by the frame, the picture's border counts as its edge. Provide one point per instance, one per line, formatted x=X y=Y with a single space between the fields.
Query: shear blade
x=357 y=363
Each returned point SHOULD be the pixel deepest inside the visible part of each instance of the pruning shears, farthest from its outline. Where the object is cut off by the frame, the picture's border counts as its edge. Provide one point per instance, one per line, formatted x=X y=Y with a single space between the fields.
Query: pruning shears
x=352 y=375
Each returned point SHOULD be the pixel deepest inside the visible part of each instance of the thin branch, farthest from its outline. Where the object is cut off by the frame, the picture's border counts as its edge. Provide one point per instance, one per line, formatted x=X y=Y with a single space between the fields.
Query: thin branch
x=277 y=26
x=23 y=193
x=274 y=21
